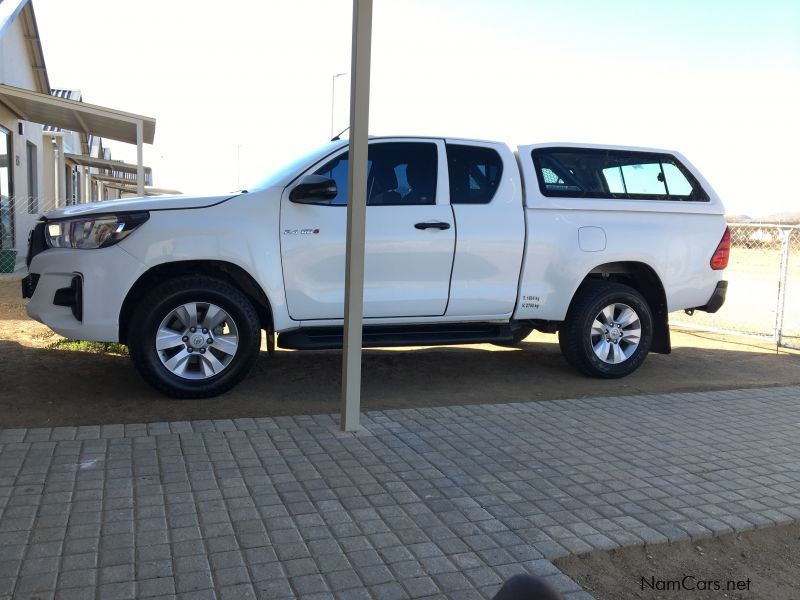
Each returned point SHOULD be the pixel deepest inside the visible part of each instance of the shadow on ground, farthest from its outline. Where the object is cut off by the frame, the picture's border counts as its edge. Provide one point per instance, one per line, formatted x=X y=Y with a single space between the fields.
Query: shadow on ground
x=48 y=387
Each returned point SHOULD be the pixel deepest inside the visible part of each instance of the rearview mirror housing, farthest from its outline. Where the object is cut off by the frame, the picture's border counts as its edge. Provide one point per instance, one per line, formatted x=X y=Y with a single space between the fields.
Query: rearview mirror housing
x=313 y=189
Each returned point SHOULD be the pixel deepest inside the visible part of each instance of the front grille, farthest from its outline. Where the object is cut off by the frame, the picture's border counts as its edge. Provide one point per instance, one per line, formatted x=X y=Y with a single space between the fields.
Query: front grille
x=36 y=242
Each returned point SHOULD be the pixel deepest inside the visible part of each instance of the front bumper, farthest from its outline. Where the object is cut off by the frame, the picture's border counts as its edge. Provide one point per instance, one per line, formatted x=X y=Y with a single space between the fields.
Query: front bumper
x=79 y=293
x=29 y=283
x=717 y=298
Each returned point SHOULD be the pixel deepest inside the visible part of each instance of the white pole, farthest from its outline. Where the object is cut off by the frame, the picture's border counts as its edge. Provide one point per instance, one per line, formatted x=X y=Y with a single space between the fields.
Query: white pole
x=87 y=185
x=61 y=174
x=139 y=159
x=356 y=215
x=783 y=279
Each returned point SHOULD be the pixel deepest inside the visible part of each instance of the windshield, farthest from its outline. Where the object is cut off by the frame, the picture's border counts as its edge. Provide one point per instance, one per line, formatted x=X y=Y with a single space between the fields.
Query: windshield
x=296 y=165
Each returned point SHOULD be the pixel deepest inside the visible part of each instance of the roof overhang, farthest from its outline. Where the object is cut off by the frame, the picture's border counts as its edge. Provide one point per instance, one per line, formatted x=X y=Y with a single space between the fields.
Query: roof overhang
x=148 y=190
x=77 y=116
x=112 y=179
x=102 y=163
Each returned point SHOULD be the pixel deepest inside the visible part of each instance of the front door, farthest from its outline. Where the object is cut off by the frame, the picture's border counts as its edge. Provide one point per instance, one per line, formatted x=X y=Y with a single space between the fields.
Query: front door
x=410 y=236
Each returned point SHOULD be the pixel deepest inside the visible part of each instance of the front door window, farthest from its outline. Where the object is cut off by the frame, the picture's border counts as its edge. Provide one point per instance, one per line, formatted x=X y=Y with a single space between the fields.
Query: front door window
x=398 y=174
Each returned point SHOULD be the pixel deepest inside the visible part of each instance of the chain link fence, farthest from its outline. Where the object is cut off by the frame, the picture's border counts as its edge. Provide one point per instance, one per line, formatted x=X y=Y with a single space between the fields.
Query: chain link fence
x=17 y=218
x=789 y=333
x=763 y=276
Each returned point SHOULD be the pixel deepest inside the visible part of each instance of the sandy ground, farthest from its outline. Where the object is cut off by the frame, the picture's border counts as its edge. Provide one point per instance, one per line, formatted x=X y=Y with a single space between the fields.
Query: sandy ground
x=766 y=558
x=46 y=387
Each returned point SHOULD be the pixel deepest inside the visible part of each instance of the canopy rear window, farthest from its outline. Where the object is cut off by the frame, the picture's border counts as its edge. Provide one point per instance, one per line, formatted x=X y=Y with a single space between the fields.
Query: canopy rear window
x=614 y=174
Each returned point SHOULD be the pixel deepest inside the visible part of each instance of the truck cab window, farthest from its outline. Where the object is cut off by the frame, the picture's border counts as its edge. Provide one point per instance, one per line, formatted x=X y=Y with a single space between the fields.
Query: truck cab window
x=398 y=174
x=337 y=170
x=475 y=173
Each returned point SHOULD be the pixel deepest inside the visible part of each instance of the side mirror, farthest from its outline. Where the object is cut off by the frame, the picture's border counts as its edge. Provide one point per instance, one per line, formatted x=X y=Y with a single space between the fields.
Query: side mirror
x=313 y=189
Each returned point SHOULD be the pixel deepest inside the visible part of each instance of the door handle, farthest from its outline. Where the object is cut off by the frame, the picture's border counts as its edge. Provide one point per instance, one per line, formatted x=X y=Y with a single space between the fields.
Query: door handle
x=433 y=225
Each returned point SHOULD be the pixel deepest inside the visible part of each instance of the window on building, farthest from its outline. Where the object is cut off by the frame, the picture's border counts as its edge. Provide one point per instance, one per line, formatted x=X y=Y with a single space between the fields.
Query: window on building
x=597 y=173
x=33 y=179
x=6 y=190
x=68 y=185
x=76 y=186
x=398 y=173
x=475 y=173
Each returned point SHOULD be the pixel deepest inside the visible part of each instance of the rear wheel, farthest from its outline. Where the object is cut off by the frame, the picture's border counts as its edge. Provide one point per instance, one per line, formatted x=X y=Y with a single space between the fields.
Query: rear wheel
x=608 y=330
x=194 y=337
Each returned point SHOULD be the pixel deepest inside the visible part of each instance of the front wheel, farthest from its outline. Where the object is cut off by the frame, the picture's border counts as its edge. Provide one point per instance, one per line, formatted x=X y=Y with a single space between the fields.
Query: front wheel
x=194 y=337
x=608 y=330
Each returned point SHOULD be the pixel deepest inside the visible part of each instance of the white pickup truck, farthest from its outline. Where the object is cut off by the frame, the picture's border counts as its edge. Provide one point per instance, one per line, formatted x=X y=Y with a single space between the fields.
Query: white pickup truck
x=466 y=241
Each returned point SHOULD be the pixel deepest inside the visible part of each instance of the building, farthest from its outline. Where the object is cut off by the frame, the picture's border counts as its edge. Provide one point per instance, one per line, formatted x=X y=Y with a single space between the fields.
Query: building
x=82 y=168
x=51 y=141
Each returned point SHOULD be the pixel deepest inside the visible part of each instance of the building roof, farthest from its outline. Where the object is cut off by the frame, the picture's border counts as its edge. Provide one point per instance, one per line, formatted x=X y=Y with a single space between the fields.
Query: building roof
x=9 y=11
x=85 y=138
x=69 y=95
x=102 y=163
x=77 y=116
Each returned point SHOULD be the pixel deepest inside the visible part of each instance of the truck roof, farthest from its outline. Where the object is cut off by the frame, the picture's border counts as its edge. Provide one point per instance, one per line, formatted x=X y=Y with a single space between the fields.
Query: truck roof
x=598 y=147
x=534 y=145
x=434 y=137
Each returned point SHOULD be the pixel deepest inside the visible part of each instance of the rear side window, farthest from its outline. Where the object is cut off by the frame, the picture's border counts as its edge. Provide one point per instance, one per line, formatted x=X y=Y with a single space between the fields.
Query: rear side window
x=475 y=173
x=590 y=173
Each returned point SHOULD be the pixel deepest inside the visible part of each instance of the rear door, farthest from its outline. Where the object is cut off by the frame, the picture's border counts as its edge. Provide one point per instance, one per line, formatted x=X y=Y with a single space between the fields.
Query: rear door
x=410 y=236
x=486 y=197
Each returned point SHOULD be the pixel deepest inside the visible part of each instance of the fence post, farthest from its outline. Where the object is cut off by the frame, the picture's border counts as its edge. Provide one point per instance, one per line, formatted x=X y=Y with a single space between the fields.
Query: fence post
x=786 y=234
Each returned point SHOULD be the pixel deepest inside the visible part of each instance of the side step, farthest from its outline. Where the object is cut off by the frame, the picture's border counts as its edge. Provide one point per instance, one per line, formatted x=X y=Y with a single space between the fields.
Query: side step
x=376 y=336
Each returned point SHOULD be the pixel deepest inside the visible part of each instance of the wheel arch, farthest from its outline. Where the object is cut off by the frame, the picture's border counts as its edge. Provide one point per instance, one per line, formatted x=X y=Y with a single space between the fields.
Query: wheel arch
x=644 y=279
x=229 y=272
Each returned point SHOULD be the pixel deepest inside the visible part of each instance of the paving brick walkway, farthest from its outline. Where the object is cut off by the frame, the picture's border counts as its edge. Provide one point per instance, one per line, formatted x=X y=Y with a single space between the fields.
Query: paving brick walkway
x=440 y=502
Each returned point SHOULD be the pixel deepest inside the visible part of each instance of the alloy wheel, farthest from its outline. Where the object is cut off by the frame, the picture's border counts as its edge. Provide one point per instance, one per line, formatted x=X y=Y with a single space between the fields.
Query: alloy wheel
x=197 y=340
x=616 y=333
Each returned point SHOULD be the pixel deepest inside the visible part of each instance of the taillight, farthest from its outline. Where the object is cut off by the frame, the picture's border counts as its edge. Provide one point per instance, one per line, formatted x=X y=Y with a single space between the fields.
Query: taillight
x=720 y=258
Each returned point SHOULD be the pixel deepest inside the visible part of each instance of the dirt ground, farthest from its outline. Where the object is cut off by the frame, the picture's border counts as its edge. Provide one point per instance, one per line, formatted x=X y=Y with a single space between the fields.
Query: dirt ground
x=40 y=386
x=758 y=564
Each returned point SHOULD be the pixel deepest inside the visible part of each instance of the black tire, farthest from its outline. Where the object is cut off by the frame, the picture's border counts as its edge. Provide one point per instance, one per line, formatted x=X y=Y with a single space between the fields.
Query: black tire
x=575 y=334
x=165 y=298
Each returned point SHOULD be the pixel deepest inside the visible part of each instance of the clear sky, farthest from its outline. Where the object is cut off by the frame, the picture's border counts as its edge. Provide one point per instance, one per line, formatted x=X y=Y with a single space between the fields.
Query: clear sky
x=240 y=87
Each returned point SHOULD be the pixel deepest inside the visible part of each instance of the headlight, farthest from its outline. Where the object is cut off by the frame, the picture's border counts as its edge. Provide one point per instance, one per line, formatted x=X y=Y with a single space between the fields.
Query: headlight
x=89 y=232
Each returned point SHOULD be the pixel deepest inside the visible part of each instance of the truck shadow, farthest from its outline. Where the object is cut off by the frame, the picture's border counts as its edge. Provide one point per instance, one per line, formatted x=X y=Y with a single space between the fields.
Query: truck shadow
x=49 y=387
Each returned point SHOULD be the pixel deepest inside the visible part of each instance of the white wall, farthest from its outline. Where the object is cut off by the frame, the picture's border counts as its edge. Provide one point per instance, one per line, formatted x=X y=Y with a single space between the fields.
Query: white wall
x=25 y=220
x=15 y=69
x=15 y=59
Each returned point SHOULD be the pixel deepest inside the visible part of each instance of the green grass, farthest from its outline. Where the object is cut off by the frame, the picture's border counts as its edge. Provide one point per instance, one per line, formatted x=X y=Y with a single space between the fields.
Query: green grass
x=91 y=347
